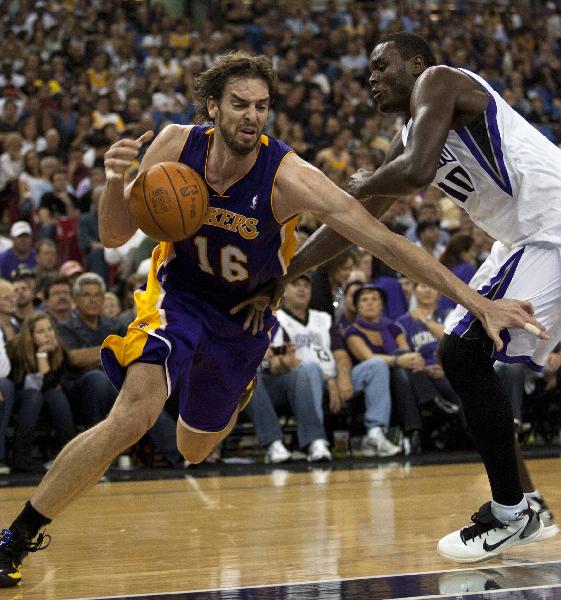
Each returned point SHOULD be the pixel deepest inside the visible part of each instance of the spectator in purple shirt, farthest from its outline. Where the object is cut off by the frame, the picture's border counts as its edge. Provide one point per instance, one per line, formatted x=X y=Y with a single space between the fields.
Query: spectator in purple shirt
x=378 y=346
x=21 y=253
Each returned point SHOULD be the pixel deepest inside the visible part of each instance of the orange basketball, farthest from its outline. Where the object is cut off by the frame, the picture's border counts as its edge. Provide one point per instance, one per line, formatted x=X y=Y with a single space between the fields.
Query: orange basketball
x=169 y=201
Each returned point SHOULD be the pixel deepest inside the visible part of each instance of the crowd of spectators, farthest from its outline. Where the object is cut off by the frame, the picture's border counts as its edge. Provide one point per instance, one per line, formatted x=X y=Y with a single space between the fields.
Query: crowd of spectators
x=76 y=75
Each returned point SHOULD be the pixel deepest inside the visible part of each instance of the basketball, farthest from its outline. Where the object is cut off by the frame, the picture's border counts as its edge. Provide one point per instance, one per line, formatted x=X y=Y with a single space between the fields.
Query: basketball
x=169 y=201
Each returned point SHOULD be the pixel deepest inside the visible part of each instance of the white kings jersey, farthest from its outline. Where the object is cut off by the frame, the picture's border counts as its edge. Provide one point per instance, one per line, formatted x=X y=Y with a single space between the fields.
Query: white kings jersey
x=504 y=173
x=312 y=339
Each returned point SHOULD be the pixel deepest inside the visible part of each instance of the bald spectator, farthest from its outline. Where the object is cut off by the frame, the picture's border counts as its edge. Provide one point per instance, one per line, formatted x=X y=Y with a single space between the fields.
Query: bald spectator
x=21 y=252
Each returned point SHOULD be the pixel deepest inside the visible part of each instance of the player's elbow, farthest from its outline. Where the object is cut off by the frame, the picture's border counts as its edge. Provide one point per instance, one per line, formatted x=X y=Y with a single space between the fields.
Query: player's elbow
x=420 y=176
x=110 y=240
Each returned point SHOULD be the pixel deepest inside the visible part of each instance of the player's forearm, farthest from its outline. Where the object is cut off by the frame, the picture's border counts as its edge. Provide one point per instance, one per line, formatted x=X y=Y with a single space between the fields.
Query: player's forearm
x=115 y=223
x=325 y=244
x=404 y=257
x=400 y=177
x=321 y=246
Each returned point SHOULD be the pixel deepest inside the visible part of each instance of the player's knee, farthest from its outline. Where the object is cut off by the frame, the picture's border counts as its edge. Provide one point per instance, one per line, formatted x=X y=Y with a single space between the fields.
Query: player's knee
x=194 y=454
x=130 y=425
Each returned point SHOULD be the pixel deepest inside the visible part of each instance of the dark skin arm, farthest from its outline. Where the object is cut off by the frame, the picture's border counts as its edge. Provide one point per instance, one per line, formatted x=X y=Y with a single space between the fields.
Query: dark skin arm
x=323 y=245
x=442 y=99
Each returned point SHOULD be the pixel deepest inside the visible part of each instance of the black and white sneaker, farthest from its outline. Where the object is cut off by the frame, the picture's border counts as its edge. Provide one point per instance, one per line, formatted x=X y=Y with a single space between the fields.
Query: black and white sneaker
x=488 y=536
x=550 y=527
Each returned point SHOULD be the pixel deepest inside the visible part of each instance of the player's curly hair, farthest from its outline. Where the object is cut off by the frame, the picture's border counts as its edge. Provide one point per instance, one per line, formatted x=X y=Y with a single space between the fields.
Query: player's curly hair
x=211 y=83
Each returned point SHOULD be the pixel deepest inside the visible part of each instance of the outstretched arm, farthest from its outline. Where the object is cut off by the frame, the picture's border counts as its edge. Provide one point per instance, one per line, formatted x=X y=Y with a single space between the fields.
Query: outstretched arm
x=301 y=186
x=434 y=99
x=325 y=243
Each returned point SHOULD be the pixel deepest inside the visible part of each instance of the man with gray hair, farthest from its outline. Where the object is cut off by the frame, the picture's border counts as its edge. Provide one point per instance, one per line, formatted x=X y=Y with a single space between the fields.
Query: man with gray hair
x=89 y=388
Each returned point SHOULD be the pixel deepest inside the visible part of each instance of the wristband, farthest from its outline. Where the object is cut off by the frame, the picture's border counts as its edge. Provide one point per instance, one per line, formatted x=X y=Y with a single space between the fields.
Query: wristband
x=42 y=354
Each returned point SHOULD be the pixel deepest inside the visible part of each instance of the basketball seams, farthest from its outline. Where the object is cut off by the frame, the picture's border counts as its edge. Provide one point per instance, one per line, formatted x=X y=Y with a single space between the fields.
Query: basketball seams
x=149 y=211
x=176 y=197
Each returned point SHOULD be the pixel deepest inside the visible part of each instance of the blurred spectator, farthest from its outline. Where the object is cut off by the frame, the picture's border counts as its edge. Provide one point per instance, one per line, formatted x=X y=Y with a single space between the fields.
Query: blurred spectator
x=39 y=362
x=346 y=311
x=9 y=115
x=423 y=328
x=21 y=252
x=58 y=203
x=57 y=298
x=28 y=178
x=83 y=333
x=88 y=237
x=46 y=257
x=7 y=395
x=459 y=257
x=385 y=278
x=71 y=269
x=317 y=340
x=428 y=233
x=286 y=382
x=11 y=161
x=24 y=288
x=8 y=322
x=328 y=282
x=111 y=305
x=128 y=305
x=373 y=336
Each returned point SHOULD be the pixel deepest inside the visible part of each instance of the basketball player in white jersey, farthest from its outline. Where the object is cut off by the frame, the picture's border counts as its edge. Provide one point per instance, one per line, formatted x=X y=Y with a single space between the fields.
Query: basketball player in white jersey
x=463 y=137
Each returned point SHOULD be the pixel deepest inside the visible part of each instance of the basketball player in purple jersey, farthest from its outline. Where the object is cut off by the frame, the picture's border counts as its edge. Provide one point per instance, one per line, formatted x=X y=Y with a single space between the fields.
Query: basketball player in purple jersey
x=257 y=189
x=461 y=136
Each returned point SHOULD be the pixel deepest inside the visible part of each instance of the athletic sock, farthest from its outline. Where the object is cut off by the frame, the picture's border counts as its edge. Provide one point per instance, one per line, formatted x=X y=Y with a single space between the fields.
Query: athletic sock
x=533 y=495
x=29 y=522
x=506 y=513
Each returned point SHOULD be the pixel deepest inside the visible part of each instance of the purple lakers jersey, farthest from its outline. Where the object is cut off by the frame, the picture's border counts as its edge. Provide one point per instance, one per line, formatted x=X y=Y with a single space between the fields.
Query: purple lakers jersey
x=241 y=244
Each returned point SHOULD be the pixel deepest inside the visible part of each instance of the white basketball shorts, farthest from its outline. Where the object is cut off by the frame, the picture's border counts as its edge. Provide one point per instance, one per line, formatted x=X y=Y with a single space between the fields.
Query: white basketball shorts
x=531 y=272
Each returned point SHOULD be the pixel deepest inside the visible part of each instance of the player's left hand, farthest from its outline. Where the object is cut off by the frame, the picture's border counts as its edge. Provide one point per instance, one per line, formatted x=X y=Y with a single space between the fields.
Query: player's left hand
x=508 y=313
x=355 y=187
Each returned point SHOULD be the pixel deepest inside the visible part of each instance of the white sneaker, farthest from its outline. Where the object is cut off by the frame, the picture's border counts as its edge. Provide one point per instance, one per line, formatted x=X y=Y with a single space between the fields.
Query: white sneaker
x=380 y=443
x=550 y=527
x=277 y=453
x=319 y=451
x=488 y=536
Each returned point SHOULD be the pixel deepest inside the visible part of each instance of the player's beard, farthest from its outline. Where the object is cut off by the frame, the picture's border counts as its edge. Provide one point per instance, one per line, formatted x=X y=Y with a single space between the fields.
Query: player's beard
x=235 y=146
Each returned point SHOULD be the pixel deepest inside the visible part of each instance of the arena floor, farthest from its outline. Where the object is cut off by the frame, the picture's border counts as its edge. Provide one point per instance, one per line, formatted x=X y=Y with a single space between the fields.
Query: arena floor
x=365 y=530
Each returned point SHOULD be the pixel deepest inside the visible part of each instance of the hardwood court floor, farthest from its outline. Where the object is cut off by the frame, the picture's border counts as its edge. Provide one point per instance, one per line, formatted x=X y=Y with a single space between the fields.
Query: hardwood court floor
x=230 y=532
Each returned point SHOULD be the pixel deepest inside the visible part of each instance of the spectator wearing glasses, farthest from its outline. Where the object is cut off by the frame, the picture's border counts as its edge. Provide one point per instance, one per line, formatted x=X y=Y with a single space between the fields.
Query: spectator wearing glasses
x=82 y=334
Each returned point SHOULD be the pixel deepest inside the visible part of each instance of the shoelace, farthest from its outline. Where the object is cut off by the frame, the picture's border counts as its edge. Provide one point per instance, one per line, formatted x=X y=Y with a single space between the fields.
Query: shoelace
x=13 y=548
x=483 y=522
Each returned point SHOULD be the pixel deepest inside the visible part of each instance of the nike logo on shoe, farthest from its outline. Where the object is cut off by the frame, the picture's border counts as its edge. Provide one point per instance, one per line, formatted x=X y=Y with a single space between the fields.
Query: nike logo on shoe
x=490 y=547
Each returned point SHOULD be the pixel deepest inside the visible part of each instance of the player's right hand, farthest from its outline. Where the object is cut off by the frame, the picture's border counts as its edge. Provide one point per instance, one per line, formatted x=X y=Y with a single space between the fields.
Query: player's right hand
x=506 y=313
x=119 y=157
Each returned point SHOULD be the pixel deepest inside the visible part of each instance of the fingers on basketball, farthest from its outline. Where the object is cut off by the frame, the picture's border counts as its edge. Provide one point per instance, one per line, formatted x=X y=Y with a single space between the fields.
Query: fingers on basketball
x=169 y=201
